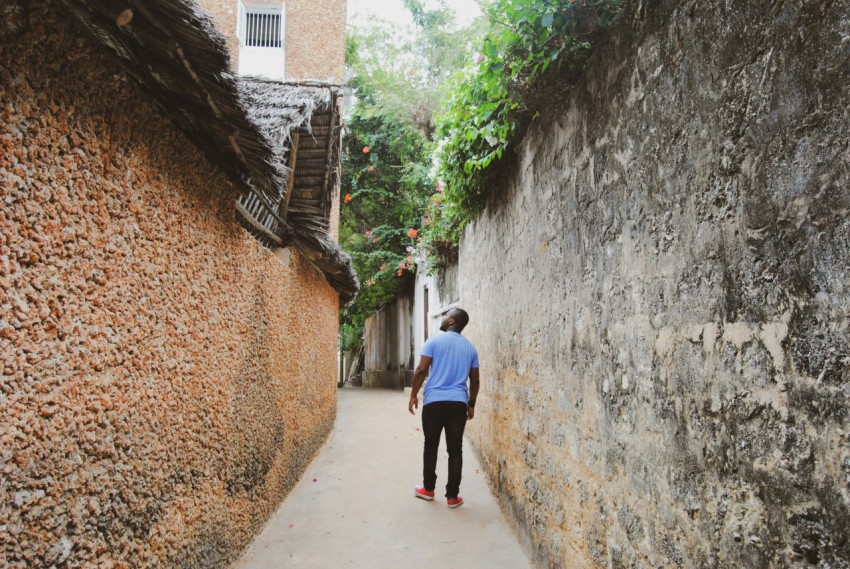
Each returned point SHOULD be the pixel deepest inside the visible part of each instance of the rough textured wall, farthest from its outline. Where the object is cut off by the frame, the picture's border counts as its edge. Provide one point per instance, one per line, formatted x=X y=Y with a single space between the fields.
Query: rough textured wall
x=315 y=39
x=165 y=380
x=223 y=16
x=315 y=35
x=663 y=324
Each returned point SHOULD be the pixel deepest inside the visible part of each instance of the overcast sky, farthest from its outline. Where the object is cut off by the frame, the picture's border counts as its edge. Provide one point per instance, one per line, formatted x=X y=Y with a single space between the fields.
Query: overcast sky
x=394 y=11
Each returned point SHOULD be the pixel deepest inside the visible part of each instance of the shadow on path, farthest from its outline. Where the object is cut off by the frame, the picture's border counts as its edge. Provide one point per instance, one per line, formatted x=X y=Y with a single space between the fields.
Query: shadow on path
x=354 y=506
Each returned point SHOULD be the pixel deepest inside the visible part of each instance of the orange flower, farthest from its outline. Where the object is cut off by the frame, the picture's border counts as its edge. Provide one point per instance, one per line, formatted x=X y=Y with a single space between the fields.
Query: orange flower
x=375 y=240
x=347 y=198
x=399 y=272
x=365 y=150
x=412 y=233
x=383 y=266
x=371 y=168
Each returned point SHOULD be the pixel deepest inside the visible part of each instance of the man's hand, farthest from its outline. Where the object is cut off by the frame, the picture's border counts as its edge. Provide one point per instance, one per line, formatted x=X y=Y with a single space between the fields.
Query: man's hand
x=470 y=412
x=418 y=379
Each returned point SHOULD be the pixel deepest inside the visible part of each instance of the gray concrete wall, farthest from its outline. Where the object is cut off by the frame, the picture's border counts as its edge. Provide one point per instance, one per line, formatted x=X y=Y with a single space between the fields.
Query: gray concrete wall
x=663 y=325
x=387 y=342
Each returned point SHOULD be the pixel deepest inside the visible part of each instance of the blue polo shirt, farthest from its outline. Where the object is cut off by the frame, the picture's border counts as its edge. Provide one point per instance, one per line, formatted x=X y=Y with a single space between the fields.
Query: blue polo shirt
x=452 y=356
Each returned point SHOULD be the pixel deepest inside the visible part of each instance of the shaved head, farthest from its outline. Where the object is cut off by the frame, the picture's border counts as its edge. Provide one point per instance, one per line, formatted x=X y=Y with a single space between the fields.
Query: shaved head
x=460 y=317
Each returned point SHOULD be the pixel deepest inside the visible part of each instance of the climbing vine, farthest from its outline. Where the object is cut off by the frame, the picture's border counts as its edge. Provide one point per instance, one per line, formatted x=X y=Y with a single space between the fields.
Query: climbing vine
x=385 y=187
x=531 y=47
x=412 y=183
x=399 y=77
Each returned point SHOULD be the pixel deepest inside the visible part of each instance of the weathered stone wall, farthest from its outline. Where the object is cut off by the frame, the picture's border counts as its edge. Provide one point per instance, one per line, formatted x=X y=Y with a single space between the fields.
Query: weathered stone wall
x=315 y=35
x=388 y=359
x=663 y=326
x=165 y=380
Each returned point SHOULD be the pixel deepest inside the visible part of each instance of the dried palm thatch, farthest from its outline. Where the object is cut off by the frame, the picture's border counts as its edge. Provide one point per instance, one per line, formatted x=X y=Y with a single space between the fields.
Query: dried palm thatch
x=246 y=126
x=303 y=120
x=277 y=107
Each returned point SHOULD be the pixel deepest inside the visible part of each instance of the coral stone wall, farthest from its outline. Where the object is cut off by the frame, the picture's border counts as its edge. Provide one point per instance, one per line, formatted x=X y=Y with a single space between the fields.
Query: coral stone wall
x=315 y=35
x=165 y=380
x=659 y=295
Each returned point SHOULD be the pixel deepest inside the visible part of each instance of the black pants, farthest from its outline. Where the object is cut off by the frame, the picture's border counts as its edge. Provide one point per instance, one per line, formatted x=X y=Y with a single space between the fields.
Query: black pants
x=436 y=416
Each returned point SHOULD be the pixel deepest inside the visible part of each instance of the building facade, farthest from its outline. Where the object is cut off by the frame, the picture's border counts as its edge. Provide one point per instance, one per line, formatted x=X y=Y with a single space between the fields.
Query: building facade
x=292 y=40
x=434 y=295
x=162 y=390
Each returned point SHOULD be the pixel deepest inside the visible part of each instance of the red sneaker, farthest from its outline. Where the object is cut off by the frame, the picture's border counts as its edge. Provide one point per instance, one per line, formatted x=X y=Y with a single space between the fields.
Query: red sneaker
x=421 y=492
x=455 y=502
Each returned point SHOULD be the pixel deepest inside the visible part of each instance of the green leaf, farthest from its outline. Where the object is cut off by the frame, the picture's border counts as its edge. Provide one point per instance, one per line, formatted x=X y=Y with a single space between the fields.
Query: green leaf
x=485 y=111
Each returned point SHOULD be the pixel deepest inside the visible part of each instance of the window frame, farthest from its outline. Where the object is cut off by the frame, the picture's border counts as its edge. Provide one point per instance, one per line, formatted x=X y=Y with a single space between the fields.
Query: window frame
x=242 y=13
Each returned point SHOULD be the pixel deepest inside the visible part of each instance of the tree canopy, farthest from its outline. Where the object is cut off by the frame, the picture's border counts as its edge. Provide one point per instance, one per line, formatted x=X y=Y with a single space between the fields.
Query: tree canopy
x=532 y=50
x=437 y=107
x=399 y=78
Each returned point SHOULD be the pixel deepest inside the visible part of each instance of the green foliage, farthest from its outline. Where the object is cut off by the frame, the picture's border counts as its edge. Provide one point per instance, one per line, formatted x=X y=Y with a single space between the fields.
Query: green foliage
x=387 y=157
x=531 y=45
x=441 y=227
x=404 y=72
x=384 y=191
x=391 y=208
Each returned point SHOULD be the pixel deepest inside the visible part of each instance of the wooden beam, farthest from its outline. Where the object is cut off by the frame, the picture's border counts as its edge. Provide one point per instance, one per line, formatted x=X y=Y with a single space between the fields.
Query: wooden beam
x=256 y=224
x=293 y=158
x=325 y=197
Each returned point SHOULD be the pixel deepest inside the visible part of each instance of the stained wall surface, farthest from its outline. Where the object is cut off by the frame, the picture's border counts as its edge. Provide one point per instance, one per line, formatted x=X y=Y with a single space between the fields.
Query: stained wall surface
x=663 y=321
x=165 y=380
x=387 y=344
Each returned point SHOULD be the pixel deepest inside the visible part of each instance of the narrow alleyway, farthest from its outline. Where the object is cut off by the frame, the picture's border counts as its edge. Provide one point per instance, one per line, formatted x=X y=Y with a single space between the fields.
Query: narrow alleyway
x=354 y=506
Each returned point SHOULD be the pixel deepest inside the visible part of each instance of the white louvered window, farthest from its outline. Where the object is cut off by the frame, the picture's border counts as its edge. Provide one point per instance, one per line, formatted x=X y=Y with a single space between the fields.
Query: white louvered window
x=261 y=29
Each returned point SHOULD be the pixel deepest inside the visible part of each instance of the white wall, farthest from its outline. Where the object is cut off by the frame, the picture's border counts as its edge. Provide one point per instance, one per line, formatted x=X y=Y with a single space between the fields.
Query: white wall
x=262 y=62
x=442 y=295
x=388 y=359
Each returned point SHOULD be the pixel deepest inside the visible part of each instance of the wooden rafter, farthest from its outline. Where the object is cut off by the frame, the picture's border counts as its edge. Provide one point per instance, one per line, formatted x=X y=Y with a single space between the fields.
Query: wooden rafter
x=293 y=159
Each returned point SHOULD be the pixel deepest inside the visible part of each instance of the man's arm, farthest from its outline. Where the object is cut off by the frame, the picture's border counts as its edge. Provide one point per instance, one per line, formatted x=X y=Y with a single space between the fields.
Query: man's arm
x=418 y=379
x=474 y=384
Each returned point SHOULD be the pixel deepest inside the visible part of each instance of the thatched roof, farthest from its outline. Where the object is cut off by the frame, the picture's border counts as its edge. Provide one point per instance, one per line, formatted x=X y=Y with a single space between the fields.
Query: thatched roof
x=304 y=120
x=246 y=126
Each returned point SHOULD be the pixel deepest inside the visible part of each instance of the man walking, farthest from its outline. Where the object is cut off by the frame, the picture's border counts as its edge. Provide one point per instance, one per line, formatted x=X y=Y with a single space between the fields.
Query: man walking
x=447 y=404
